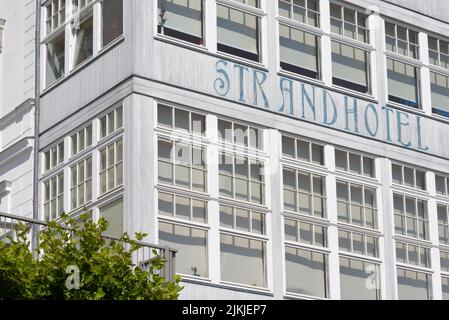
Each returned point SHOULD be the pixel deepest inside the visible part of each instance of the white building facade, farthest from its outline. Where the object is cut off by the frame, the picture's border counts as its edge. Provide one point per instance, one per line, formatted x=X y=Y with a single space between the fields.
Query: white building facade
x=288 y=149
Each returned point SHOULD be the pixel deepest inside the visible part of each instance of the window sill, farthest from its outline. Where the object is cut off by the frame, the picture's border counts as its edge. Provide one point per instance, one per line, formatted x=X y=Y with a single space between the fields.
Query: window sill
x=356 y=177
x=109 y=195
x=243 y=61
x=360 y=257
x=410 y=240
x=306 y=217
x=353 y=93
x=242 y=204
x=412 y=267
x=404 y=59
x=409 y=190
x=200 y=195
x=182 y=222
x=244 y=234
x=181 y=43
x=301 y=78
x=402 y=107
x=298 y=296
x=355 y=228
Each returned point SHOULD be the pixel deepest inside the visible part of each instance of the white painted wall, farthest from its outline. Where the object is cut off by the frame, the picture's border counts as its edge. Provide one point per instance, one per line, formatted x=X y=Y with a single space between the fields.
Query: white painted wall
x=17 y=57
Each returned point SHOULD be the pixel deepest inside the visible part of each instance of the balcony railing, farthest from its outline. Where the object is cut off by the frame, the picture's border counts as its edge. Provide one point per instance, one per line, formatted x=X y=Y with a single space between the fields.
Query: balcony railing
x=142 y=257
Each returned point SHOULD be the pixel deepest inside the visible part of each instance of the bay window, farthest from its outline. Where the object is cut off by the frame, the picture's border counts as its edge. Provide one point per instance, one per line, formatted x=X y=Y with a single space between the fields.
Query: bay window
x=238 y=33
x=403 y=83
x=182 y=19
x=73 y=40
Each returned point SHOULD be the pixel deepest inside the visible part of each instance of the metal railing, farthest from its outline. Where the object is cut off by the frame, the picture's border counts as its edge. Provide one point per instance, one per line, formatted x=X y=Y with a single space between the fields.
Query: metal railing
x=141 y=257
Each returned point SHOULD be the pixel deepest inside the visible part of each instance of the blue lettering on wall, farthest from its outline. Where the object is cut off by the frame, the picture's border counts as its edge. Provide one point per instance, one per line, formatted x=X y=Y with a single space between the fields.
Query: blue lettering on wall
x=318 y=105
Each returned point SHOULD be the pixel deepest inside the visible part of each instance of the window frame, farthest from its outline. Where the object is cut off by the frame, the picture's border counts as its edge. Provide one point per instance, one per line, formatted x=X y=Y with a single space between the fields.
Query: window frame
x=78 y=183
x=57 y=197
x=115 y=166
x=404 y=216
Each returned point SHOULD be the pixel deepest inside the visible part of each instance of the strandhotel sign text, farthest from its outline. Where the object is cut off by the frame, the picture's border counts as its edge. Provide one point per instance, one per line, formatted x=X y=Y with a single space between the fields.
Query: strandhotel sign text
x=321 y=106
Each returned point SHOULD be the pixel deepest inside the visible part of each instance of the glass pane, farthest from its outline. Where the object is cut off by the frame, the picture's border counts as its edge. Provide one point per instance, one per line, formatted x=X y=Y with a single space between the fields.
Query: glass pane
x=164 y=116
x=183 y=208
x=55 y=59
x=242 y=220
x=226 y=217
x=291 y=230
x=288 y=147
x=242 y=260
x=191 y=258
x=165 y=204
x=306 y=233
x=359 y=280
x=112 y=18
x=182 y=120
x=84 y=41
x=340 y=160
x=306 y=272
x=113 y=213
x=414 y=285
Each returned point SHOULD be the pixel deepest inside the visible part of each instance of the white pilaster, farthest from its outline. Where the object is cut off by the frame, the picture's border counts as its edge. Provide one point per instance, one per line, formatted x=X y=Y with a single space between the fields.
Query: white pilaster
x=434 y=238
x=274 y=189
x=326 y=43
x=331 y=194
x=425 y=90
x=210 y=25
x=214 y=207
x=138 y=141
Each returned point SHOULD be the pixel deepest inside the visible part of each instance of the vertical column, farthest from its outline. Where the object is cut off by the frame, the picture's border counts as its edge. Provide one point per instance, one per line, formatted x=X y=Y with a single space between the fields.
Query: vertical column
x=433 y=233
x=210 y=24
x=331 y=187
x=69 y=39
x=381 y=225
x=97 y=18
x=139 y=146
x=373 y=70
x=273 y=175
x=387 y=211
x=425 y=89
x=379 y=68
x=67 y=175
x=213 y=189
x=326 y=43
x=95 y=166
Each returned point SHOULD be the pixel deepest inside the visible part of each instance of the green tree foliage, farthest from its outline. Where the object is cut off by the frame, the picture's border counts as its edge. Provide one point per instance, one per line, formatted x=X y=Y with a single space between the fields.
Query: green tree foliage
x=106 y=267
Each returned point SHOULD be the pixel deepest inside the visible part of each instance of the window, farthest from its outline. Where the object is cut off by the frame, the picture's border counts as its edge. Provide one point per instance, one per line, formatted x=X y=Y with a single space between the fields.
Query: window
x=442 y=185
x=403 y=83
x=305 y=233
x=401 y=40
x=354 y=163
x=55 y=15
x=241 y=178
x=112 y=20
x=113 y=213
x=349 y=23
x=302 y=150
x=445 y=287
x=181 y=120
x=79 y=5
x=408 y=176
x=304 y=11
x=54 y=156
x=242 y=219
x=412 y=254
x=359 y=280
x=81 y=140
x=84 y=37
x=443 y=223
x=440 y=93
x=444 y=260
x=111 y=122
x=410 y=216
x=350 y=67
x=111 y=166
x=358 y=243
x=243 y=260
x=181 y=19
x=81 y=183
x=240 y=134
x=184 y=208
x=413 y=285
x=439 y=52
x=299 y=51
x=2 y=26
x=356 y=204
x=238 y=33
x=54 y=197
x=191 y=243
x=182 y=164
x=304 y=193
x=55 y=63
x=306 y=272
